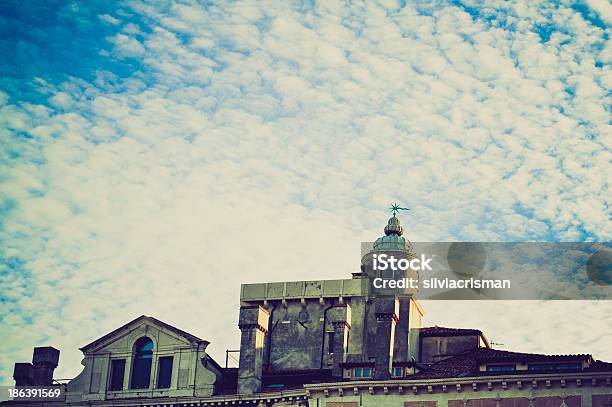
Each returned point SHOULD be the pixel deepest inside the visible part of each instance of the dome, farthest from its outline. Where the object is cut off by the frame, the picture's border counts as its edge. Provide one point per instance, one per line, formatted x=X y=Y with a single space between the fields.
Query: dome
x=393 y=240
x=392 y=243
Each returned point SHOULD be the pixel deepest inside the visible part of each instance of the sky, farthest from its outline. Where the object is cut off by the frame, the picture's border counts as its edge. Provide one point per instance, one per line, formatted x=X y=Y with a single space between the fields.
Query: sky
x=156 y=155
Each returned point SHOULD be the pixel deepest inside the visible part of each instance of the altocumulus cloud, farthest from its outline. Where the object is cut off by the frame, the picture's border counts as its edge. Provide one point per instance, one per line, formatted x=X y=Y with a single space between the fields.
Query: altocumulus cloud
x=156 y=155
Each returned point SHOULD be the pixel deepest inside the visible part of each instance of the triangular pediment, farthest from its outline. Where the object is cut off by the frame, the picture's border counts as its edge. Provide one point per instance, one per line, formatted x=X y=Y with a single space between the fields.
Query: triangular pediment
x=122 y=338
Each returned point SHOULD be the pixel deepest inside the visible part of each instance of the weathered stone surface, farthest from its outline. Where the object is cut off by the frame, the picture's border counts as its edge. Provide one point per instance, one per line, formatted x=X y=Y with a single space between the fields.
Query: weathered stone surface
x=387 y=313
x=434 y=349
x=402 y=332
x=253 y=322
x=297 y=335
x=297 y=290
x=340 y=318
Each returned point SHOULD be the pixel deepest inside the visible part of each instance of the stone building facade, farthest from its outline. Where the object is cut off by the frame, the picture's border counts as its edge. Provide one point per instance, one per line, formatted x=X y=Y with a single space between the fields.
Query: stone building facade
x=327 y=343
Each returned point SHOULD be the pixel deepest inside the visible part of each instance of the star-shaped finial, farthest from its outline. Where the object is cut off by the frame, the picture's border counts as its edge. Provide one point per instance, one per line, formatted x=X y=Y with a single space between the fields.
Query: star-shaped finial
x=395 y=208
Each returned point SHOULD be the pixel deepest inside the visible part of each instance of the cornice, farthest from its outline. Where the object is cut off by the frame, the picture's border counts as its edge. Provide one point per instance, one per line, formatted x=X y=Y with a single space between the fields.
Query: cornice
x=234 y=400
x=474 y=384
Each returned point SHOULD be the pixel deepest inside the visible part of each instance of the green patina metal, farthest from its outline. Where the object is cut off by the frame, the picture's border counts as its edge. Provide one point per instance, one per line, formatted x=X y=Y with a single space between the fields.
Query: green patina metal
x=393 y=240
x=395 y=208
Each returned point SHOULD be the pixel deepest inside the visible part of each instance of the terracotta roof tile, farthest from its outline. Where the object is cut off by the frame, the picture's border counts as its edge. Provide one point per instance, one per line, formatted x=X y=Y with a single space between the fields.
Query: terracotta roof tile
x=444 y=331
x=467 y=364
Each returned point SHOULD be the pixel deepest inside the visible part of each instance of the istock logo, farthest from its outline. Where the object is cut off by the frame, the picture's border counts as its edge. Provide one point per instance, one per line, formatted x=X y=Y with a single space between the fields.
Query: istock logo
x=385 y=262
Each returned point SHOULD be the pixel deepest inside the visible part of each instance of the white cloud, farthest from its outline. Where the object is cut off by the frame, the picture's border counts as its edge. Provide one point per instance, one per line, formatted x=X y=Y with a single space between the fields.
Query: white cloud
x=603 y=9
x=61 y=100
x=109 y=19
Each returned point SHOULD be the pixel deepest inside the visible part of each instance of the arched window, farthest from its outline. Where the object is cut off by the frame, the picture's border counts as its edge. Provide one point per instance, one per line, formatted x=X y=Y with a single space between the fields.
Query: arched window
x=141 y=363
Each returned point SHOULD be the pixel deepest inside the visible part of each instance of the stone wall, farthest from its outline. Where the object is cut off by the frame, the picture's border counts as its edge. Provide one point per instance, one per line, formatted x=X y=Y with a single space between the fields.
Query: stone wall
x=298 y=337
x=299 y=331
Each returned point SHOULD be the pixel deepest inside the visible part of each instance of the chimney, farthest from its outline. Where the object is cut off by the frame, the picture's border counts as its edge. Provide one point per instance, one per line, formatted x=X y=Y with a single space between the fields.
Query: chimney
x=340 y=318
x=253 y=323
x=387 y=312
x=44 y=362
x=23 y=374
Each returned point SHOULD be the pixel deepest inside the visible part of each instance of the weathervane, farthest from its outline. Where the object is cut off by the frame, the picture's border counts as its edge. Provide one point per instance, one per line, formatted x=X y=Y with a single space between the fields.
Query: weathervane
x=395 y=208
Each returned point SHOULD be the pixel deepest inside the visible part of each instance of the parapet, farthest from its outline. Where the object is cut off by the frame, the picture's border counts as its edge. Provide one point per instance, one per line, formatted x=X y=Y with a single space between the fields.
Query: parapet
x=302 y=289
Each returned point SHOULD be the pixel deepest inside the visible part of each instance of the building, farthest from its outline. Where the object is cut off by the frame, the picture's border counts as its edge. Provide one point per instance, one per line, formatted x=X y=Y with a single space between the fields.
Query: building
x=328 y=343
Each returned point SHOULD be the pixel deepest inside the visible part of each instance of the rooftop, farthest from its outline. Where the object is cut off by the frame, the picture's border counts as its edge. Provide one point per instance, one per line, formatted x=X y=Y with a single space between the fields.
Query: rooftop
x=468 y=364
x=444 y=331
